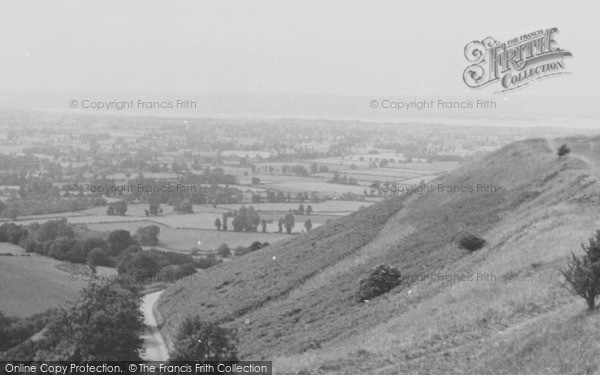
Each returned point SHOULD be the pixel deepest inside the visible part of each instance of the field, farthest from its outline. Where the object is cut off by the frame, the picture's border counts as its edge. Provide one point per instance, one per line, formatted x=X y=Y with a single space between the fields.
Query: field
x=33 y=284
x=186 y=239
x=184 y=231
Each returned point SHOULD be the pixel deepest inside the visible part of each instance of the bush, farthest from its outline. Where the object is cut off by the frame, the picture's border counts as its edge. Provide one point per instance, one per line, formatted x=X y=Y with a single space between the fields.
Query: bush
x=582 y=275
x=223 y=251
x=563 y=150
x=381 y=280
x=207 y=262
x=240 y=250
x=204 y=341
x=471 y=242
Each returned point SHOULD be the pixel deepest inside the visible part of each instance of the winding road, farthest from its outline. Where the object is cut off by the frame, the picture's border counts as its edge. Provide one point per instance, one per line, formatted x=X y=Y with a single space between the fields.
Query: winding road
x=155 y=348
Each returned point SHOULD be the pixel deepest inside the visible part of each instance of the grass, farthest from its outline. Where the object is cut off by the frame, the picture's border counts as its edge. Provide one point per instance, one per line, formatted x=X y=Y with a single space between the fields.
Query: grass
x=33 y=284
x=556 y=345
x=8 y=248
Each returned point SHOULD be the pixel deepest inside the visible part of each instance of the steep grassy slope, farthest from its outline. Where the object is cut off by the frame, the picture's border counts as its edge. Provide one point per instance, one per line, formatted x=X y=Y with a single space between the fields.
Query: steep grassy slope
x=33 y=284
x=293 y=302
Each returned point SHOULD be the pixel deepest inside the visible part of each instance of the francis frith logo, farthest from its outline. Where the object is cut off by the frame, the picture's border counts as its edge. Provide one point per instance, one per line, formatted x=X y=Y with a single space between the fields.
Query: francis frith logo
x=515 y=63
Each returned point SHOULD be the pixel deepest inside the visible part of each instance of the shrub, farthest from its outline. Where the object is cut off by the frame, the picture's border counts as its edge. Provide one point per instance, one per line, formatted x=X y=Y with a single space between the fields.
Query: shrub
x=381 y=280
x=223 y=251
x=471 y=242
x=204 y=341
x=582 y=275
x=207 y=262
x=240 y=250
x=563 y=150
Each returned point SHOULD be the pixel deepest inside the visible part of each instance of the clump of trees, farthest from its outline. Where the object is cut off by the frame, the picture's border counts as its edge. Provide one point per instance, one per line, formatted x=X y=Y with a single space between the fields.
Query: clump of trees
x=148 y=236
x=154 y=209
x=380 y=280
x=62 y=241
x=183 y=207
x=117 y=208
x=150 y=265
x=344 y=180
x=471 y=242
x=204 y=341
x=582 y=274
x=288 y=222
x=245 y=220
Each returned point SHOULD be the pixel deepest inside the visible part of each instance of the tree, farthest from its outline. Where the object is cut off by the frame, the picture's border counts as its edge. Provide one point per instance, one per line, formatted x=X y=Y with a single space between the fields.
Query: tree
x=103 y=324
x=218 y=224
x=582 y=275
x=204 y=341
x=93 y=243
x=226 y=216
x=142 y=265
x=119 y=240
x=308 y=225
x=148 y=235
x=117 y=208
x=253 y=219
x=563 y=150
x=301 y=209
x=288 y=223
x=309 y=209
x=2 y=206
x=263 y=224
x=184 y=207
x=255 y=181
x=154 y=209
x=239 y=221
x=98 y=257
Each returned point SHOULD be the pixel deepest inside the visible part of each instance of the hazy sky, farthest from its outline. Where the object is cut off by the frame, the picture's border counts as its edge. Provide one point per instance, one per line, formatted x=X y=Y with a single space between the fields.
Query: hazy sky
x=308 y=47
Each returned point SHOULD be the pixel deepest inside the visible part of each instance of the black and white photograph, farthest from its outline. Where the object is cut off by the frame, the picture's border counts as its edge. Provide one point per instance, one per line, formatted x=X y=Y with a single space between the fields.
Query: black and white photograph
x=293 y=187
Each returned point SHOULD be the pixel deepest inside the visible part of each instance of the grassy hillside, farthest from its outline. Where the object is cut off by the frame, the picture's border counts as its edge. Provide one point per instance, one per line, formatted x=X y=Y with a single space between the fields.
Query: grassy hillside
x=34 y=284
x=293 y=302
